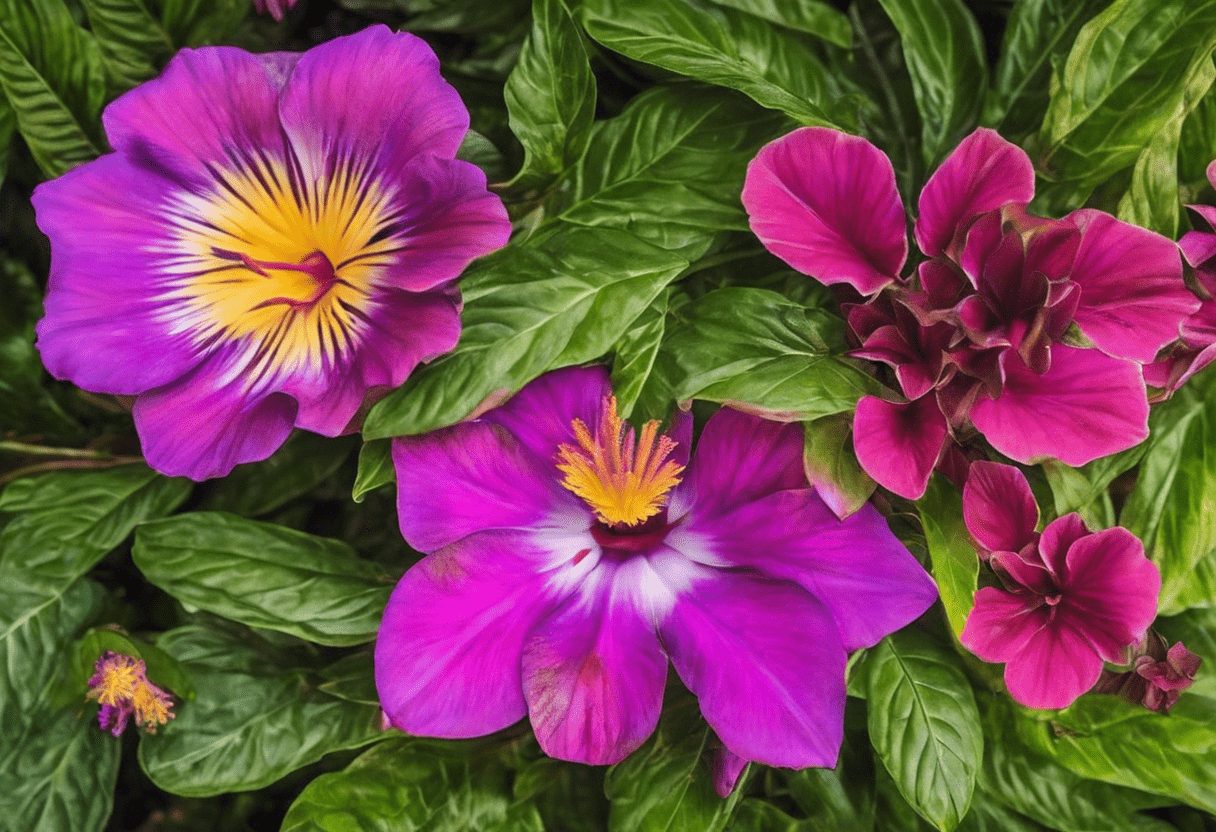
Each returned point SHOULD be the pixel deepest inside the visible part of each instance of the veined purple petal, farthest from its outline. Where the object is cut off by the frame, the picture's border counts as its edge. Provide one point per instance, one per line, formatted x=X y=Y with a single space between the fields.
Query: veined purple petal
x=473 y=477
x=898 y=444
x=983 y=173
x=1088 y=405
x=998 y=507
x=1198 y=247
x=594 y=671
x=856 y=567
x=1056 y=665
x=1001 y=624
x=1058 y=537
x=448 y=652
x=826 y=203
x=1111 y=594
x=765 y=660
x=1132 y=295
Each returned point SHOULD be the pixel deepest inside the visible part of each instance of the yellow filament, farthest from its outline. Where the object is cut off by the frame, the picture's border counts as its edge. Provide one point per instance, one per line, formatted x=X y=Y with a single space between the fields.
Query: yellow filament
x=118 y=678
x=151 y=707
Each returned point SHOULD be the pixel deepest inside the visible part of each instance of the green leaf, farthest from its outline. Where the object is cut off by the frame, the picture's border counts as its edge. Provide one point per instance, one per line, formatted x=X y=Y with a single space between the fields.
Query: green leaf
x=1169 y=507
x=832 y=467
x=810 y=16
x=198 y=22
x=1084 y=489
x=666 y=785
x=351 y=677
x=633 y=367
x=1126 y=78
x=375 y=468
x=551 y=95
x=568 y=797
x=305 y=461
x=945 y=55
x=955 y=562
x=1197 y=146
x=924 y=724
x=720 y=46
x=987 y=815
x=755 y=348
x=1038 y=36
x=133 y=44
x=8 y=126
x=70 y=519
x=844 y=797
x=51 y=72
x=265 y=575
x=257 y=716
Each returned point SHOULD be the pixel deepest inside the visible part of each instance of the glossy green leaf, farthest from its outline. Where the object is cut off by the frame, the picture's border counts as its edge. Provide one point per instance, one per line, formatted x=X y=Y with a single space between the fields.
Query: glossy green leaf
x=632 y=369
x=1124 y=80
x=257 y=716
x=755 y=349
x=1197 y=145
x=987 y=815
x=8 y=128
x=51 y=72
x=945 y=55
x=351 y=677
x=775 y=67
x=1038 y=36
x=1084 y=489
x=667 y=784
x=924 y=724
x=844 y=797
x=133 y=43
x=811 y=16
x=832 y=467
x=375 y=468
x=407 y=785
x=955 y=562
x=568 y=797
x=198 y=22
x=265 y=575
x=300 y=465
x=551 y=95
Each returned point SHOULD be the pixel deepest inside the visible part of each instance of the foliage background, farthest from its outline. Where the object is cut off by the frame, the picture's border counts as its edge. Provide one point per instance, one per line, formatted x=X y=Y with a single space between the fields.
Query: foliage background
x=618 y=132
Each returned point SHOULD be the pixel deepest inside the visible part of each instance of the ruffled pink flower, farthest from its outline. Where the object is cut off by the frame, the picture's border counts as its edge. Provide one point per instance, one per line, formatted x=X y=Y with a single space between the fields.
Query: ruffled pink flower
x=1157 y=676
x=571 y=558
x=1069 y=598
x=276 y=238
x=975 y=337
x=275 y=8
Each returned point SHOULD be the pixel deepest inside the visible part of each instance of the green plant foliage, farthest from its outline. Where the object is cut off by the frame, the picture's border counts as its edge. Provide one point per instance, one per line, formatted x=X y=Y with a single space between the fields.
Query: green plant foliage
x=636 y=385
x=375 y=468
x=811 y=16
x=163 y=670
x=133 y=43
x=303 y=463
x=832 y=467
x=955 y=562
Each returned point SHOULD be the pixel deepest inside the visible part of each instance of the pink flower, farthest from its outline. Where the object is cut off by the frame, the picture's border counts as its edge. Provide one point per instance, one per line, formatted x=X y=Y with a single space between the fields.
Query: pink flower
x=1157 y=676
x=571 y=558
x=975 y=337
x=120 y=685
x=1069 y=599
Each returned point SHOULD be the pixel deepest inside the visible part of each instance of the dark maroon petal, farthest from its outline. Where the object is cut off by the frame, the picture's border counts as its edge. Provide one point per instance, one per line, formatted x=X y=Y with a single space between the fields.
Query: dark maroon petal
x=1001 y=623
x=942 y=282
x=1111 y=590
x=1051 y=249
x=984 y=236
x=898 y=444
x=826 y=203
x=998 y=507
x=1056 y=666
x=984 y=172
x=1019 y=574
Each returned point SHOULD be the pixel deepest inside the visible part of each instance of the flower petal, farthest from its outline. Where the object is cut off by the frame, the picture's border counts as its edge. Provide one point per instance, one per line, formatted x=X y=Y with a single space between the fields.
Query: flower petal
x=898 y=444
x=1057 y=665
x=1132 y=295
x=1058 y=537
x=856 y=567
x=984 y=172
x=1111 y=593
x=1001 y=624
x=726 y=768
x=765 y=660
x=825 y=202
x=1088 y=405
x=998 y=507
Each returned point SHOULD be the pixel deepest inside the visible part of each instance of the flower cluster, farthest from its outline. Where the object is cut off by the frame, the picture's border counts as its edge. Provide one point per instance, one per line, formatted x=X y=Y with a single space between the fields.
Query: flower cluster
x=1156 y=675
x=120 y=685
x=986 y=333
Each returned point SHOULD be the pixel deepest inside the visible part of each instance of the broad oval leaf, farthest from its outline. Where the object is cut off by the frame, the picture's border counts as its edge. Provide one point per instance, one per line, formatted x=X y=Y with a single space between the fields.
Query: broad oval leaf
x=300 y=465
x=133 y=43
x=811 y=16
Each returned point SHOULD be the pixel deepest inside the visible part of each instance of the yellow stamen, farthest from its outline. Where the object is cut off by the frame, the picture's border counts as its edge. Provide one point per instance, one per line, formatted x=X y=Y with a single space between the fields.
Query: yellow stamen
x=625 y=484
x=152 y=706
x=115 y=680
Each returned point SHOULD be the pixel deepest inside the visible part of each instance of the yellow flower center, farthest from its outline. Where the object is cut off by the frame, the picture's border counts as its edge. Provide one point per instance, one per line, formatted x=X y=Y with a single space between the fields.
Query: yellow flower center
x=623 y=482
x=117 y=681
x=152 y=707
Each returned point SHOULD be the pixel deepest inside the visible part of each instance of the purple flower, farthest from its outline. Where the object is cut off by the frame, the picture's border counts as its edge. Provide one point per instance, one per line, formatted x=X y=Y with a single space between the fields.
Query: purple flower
x=120 y=685
x=1156 y=677
x=275 y=8
x=975 y=337
x=571 y=557
x=276 y=238
x=1069 y=599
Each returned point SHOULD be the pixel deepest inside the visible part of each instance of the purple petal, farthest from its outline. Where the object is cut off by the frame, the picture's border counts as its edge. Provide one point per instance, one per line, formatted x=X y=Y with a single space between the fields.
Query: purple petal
x=765 y=660
x=1001 y=624
x=1086 y=406
x=898 y=444
x=825 y=202
x=856 y=567
x=1198 y=247
x=1132 y=295
x=1111 y=594
x=472 y=477
x=1057 y=665
x=998 y=507
x=983 y=173
x=594 y=672
x=449 y=647
x=726 y=768
x=1025 y=568
x=1058 y=537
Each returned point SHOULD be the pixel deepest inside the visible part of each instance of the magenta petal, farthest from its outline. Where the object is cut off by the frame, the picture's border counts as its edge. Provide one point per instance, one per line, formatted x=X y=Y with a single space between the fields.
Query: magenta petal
x=1132 y=295
x=983 y=173
x=1198 y=247
x=726 y=769
x=473 y=477
x=1088 y=405
x=856 y=567
x=1001 y=623
x=1057 y=665
x=765 y=661
x=449 y=647
x=825 y=202
x=898 y=444
x=998 y=507
x=203 y=425
x=1058 y=537
x=1112 y=588
x=594 y=672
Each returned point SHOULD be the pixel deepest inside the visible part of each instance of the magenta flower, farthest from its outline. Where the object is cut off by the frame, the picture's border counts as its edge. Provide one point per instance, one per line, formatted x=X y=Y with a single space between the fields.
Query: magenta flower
x=120 y=685
x=571 y=558
x=276 y=238
x=1157 y=676
x=275 y=8
x=975 y=336
x=1069 y=598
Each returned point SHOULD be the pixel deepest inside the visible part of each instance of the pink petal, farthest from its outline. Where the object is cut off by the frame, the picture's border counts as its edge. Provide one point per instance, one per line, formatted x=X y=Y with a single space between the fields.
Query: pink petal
x=898 y=444
x=726 y=768
x=983 y=173
x=1111 y=592
x=1132 y=295
x=1057 y=539
x=1086 y=406
x=1057 y=665
x=998 y=507
x=1001 y=623
x=1198 y=247
x=825 y=202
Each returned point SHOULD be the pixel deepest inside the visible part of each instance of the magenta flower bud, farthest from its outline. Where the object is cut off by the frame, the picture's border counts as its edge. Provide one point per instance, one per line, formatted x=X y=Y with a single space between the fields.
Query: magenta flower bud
x=1156 y=676
x=275 y=8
